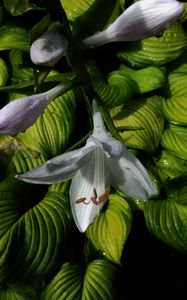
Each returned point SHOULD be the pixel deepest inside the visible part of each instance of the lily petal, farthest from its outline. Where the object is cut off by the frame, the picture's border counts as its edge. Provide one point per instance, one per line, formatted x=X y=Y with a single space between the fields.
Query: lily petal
x=88 y=188
x=49 y=47
x=20 y=114
x=59 y=168
x=141 y=20
x=130 y=176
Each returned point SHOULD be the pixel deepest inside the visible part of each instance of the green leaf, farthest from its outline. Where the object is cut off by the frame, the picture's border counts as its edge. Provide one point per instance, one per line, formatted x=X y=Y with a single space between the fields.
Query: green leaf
x=145 y=113
x=33 y=232
x=3 y=72
x=177 y=82
x=110 y=229
x=148 y=79
x=73 y=282
x=174 y=139
x=176 y=189
x=51 y=132
x=83 y=14
x=18 y=292
x=169 y=166
x=66 y=285
x=18 y=7
x=99 y=281
x=167 y=221
x=175 y=109
x=14 y=37
x=118 y=89
x=155 y=51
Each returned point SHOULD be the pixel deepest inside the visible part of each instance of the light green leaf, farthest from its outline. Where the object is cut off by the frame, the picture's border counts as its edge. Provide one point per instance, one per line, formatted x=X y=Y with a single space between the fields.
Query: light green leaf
x=118 y=89
x=155 y=51
x=148 y=79
x=84 y=13
x=177 y=83
x=145 y=113
x=74 y=282
x=110 y=229
x=14 y=37
x=32 y=231
x=175 y=109
x=174 y=139
x=51 y=132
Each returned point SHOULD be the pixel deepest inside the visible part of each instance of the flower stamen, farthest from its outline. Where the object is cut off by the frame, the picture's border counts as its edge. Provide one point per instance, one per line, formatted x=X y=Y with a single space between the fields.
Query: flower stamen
x=103 y=196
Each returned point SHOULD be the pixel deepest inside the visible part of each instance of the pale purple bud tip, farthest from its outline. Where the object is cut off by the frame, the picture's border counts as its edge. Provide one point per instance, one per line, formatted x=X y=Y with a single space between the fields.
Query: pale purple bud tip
x=49 y=48
x=141 y=20
x=20 y=114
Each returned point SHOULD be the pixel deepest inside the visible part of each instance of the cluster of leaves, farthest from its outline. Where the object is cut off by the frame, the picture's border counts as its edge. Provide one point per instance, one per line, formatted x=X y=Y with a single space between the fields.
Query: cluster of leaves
x=42 y=254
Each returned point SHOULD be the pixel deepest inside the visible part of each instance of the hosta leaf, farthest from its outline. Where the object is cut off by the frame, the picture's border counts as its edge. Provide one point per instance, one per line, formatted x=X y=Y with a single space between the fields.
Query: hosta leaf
x=145 y=113
x=18 y=7
x=175 y=110
x=19 y=73
x=174 y=139
x=167 y=220
x=18 y=292
x=169 y=166
x=51 y=132
x=110 y=229
x=25 y=160
x=148 y=79
x=176 y=189
x=117 y=91
x=99 y=281
x=33 y=232
x=13 y=37
x=84 y=13
x=73 y=282
x=66 y=285
x=3 y=72
x=177 y=84
x=155 y=51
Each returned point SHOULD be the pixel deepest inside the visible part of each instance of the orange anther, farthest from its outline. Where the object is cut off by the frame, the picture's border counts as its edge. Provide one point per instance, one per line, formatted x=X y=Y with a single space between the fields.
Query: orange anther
x=80 y=200
x=103 y=196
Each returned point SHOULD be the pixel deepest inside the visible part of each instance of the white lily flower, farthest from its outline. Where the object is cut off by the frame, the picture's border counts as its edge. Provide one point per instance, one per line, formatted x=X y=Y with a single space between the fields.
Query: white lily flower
x=141 y=20
x=49 y=47
x=20 y=114
x=102 y=162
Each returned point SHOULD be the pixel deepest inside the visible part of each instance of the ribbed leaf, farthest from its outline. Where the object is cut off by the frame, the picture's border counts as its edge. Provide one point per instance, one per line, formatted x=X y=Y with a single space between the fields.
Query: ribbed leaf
x=19 y=72
x=148 y=79
x=18 y=7
x=84 y=13
x=3 y=72
x=99 y=281
x=145 y=113
x=32 y=233
x=13 y=37
x=19 y=292
x=72 y=282
x=66 y=285
x=177 y=83
x=174 y=139
x=117 y=91
x=51 y=132
x=155 y=51
x=175 y=109
x=169 y=166
x=167 y=221
x=110 y=229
